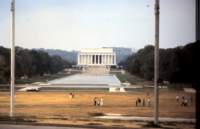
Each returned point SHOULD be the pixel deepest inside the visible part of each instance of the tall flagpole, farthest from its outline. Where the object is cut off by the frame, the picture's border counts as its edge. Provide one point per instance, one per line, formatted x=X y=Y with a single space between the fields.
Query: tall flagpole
x=12 y=81
x=156 y=62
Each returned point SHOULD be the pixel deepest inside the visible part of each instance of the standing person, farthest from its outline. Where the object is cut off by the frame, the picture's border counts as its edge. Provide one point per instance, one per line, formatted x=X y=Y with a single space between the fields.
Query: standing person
x=185 y=102
x=136 y=103
x=70 y=95
x=149 y=101
x=143 y=102
x=95 y=101
x=139 y=100
x=73 y=95
x=177 y=98
x=182 y=103
x=101 y=102
x=183 y=97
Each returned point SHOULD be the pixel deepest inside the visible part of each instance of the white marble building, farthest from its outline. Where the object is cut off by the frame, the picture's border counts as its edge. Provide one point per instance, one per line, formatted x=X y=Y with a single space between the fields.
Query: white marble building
x=96 y=57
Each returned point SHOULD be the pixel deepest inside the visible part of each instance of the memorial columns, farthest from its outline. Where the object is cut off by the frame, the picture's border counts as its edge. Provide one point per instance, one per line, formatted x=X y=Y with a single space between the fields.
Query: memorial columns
x=80 y=59
x=83 y=58
x=106 y=59
x=90 y=59
x=94 y=59
x=103 y=59
x=110 y=59
x=98 y=59
x=86 y=58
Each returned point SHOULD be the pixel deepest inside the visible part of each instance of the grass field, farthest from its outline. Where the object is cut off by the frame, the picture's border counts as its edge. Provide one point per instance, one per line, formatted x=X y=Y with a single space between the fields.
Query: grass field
x=58 y=108
x=132 y=79
x=59 y=104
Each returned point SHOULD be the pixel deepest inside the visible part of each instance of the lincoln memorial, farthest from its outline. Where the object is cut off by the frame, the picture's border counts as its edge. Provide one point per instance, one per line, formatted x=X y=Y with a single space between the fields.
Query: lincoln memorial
x=97 y=58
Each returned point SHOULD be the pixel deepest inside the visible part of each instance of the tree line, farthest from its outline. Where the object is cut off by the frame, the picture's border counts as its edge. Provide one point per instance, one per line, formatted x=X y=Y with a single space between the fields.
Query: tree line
x=176 y=65
x=29 y=63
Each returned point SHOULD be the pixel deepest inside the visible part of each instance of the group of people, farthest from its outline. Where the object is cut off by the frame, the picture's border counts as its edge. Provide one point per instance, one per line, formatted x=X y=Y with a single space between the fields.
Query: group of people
x=183 y=101
x=142 y=102
x=98 y=101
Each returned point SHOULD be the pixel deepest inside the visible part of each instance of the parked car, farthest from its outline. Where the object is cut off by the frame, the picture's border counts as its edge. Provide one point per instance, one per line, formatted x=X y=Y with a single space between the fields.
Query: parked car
x=31 y=88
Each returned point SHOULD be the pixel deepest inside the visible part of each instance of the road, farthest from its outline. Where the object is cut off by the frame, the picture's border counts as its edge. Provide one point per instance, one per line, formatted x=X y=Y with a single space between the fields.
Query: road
x=7 y=126
x=161 y=119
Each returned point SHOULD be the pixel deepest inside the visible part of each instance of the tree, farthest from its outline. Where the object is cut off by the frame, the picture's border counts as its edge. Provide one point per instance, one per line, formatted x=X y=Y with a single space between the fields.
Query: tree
x=29 y=63
x=4 y=65
x=178 y=64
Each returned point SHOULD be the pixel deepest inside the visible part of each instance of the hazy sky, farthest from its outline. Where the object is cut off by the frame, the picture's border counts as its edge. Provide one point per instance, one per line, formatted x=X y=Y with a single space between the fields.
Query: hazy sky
x=75 y=24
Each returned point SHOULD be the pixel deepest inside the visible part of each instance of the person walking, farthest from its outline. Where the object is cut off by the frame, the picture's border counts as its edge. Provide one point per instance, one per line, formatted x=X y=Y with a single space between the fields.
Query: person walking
x=139 y=101
x=101 y=102
x=70 y=95
x=73 y=95
x=177 y=98
x=136 y=103
x=149 y=101
x=186 y=102
x=95 y=101
x=143 y=102
x=183 y=97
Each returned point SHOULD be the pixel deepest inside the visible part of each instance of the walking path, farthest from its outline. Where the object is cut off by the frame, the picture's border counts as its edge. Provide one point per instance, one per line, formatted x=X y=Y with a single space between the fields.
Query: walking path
x=10 y=126
x=135 y=118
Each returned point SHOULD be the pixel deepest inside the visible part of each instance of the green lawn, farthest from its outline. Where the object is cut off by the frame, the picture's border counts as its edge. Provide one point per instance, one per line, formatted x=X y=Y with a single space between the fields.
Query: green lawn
x=127 y=77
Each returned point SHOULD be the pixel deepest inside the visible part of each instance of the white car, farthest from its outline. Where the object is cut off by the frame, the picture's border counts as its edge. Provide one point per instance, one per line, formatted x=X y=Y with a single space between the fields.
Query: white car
x=31 y=88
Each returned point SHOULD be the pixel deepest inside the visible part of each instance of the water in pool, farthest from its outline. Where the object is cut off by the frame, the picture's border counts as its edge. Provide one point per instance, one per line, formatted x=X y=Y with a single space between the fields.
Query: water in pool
x=84 y=79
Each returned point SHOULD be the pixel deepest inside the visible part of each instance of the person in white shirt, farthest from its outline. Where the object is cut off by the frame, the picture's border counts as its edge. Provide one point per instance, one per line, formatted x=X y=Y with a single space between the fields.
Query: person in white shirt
x=101 y=102
x=177 y=98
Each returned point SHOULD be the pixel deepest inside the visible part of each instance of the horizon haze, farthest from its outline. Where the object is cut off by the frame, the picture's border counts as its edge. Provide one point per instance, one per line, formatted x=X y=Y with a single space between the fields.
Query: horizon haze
x=72 y=25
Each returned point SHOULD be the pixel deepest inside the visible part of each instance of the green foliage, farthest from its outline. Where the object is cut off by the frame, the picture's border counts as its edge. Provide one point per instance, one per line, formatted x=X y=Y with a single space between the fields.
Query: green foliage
x=4 y=65
x=30 y=63
x=178 y=64
x=127 y=77
x=141 y=63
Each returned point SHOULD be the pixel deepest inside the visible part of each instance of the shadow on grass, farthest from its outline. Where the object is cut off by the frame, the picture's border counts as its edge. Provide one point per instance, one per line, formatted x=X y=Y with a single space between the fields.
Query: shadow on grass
x=16 y=119
x=96 y=124
x=96 y=114
x=159 y=126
